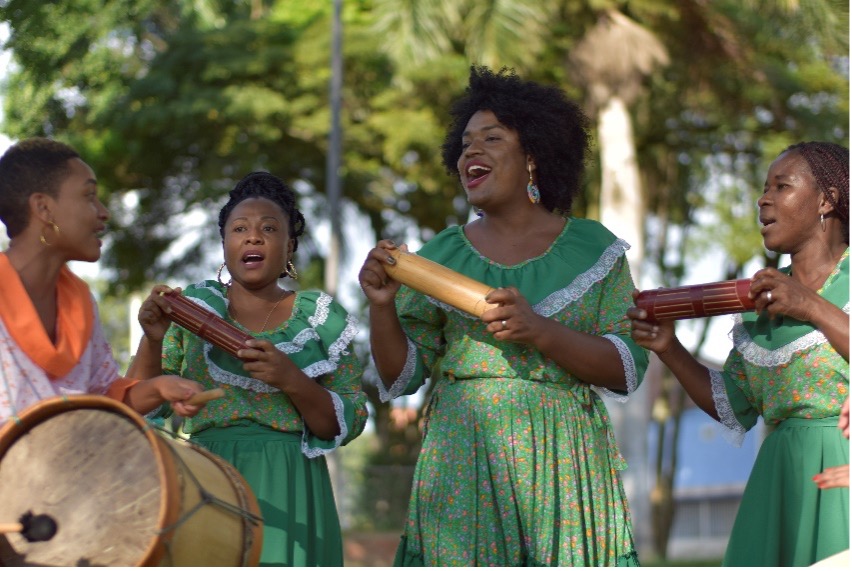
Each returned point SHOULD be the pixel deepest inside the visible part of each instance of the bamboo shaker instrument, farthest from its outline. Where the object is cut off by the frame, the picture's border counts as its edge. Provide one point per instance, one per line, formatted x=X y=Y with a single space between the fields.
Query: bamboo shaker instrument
x=439 y=282
x=701 y=300
x=206 y=324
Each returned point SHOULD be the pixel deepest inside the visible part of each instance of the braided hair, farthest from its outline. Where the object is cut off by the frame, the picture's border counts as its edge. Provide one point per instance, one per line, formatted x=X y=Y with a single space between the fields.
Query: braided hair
x=829 y=163
x=551 y=128
x=270 y=187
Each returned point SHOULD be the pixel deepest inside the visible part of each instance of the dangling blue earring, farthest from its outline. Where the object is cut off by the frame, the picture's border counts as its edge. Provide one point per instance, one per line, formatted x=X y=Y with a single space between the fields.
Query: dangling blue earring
x=532 y=189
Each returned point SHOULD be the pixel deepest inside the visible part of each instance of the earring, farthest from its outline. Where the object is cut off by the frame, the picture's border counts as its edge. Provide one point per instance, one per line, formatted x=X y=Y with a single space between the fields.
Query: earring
x=219 y=276
x=532 y=189
x=290 y=270
x=41 y=237
x=822 y=221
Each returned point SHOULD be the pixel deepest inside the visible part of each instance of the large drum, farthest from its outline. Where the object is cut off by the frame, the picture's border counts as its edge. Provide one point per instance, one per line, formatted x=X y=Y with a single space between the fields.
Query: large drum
x=121 y=493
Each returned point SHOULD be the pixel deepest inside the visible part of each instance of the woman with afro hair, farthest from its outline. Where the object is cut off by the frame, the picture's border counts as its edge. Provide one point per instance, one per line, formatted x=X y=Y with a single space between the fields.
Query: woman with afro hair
x=519 y=464
x=291 y=398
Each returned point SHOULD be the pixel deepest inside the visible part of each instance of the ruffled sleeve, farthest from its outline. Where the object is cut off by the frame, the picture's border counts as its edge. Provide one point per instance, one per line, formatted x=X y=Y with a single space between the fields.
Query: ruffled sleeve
x=423 y=323
x=615 y=327
x=733 y=399
x=325 y=352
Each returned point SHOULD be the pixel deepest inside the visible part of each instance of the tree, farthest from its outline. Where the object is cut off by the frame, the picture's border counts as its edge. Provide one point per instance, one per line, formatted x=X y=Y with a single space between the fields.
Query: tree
x=171 y=102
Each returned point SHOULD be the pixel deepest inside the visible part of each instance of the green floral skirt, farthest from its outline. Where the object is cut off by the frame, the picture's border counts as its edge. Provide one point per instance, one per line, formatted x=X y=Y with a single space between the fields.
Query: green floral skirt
x=784 y=519
x=517 y=473
x=300 y=523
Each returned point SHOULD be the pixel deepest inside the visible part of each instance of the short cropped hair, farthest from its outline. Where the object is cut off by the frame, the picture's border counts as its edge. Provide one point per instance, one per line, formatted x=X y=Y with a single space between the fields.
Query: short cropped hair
x=32 y=165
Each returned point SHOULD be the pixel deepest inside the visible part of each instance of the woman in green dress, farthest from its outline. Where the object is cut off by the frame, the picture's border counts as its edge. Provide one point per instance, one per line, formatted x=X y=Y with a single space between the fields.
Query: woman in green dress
x=519 y=464
x=789 y=364
x=291 y=398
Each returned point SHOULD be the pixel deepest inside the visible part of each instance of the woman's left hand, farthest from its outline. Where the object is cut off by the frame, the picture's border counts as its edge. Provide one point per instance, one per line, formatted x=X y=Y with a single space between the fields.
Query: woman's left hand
x=264 y=362
x=779 y=294
x=514 y=319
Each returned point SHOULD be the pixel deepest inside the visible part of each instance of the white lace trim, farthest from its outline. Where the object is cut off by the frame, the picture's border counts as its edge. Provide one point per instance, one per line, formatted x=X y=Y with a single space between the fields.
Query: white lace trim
x=762 y=357
x=205 y=305
x=733 y=432
x=630 y=377
x=321 y=313
x=222 y=376
x=572 y=292
x=314 y=370
x=315 y=452
x=581 y=284
x=405 y=376
x=338 y=348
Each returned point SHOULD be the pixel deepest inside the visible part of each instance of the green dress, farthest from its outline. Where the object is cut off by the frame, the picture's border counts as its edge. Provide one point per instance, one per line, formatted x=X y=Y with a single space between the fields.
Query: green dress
x=519 y=464
x=787 y=372
x=256 y=428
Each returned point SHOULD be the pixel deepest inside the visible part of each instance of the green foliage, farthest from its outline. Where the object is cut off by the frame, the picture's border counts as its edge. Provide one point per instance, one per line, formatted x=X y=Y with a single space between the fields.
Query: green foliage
x=172 y=101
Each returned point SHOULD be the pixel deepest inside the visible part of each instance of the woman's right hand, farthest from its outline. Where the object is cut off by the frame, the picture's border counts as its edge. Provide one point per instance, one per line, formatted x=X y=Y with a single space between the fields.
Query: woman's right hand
x=153 y=313
x=376 y=284
x=658 y=337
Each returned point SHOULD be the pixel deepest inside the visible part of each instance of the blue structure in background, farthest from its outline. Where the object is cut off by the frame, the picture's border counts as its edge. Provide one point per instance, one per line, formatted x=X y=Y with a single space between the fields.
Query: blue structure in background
x=709 y=479
x=707 y=459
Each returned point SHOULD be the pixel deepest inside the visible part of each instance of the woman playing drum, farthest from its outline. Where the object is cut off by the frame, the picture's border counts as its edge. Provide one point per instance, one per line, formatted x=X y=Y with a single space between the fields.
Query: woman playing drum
x=51 y=341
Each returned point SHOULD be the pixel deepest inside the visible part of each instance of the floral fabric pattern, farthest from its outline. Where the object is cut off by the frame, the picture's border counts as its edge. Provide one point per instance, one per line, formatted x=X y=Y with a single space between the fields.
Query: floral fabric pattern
x=23 y=383
x=799 y=376
x=317 y=336
x=519 y=464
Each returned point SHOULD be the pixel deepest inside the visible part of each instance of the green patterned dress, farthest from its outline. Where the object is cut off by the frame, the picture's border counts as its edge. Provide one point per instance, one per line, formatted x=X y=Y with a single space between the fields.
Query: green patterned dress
x=519 y=464
x=787 y=372
x=257 y=429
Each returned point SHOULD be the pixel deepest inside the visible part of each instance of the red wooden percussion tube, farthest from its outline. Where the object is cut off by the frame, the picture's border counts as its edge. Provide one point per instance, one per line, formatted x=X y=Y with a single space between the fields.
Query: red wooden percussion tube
x=206 y=324
x=701 y=300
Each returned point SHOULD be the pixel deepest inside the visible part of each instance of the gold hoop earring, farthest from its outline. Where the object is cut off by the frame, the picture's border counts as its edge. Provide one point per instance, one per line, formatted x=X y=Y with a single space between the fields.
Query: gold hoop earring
x=290 y=270
x=219 y=276
x=822 y=221
x=41 y=237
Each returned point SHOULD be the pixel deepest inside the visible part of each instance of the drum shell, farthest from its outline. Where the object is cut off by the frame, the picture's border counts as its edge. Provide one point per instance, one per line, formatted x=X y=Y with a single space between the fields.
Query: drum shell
x=122 y=494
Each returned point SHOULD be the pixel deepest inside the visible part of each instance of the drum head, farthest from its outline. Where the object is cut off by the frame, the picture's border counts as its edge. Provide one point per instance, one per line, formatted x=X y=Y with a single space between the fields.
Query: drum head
x=95 y=473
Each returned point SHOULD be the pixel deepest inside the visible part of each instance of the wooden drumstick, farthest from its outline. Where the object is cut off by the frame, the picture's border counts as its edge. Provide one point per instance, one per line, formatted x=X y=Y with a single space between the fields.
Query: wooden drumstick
x=33 y=527
x=440 y=282
x=11 y=528
x=205 y=396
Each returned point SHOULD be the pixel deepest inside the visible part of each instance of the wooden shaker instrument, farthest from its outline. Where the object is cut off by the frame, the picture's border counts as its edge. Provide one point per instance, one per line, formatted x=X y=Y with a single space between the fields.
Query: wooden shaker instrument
x=439 y=282
x=206 y=324
x=701 y=300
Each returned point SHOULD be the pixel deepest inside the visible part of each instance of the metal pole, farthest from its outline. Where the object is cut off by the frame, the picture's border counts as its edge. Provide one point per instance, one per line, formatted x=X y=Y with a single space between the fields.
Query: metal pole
x=332 y=263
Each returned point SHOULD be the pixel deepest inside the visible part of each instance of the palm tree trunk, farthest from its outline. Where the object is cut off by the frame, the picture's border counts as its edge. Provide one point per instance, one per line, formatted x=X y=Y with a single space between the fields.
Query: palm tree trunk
x=621 y=195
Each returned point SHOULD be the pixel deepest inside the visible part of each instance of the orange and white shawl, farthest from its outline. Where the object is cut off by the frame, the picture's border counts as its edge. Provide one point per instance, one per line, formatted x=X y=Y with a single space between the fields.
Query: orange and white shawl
x=32 y=367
